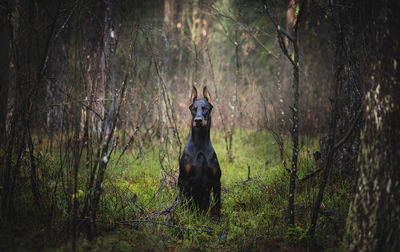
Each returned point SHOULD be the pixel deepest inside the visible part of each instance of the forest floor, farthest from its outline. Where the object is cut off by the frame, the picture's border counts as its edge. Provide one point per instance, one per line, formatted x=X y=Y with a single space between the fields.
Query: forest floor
x=253 y=215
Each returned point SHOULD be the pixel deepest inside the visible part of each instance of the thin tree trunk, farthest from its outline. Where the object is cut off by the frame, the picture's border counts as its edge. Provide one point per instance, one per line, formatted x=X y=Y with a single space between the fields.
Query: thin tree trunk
x=295 y=135
x=76 y=164
x=295 y=118
x=17 y=137
x=173 y=27
x=349 y=101
x=4 y=75
x=33 y=170
x=293 y=39
x=328 y=152
x=343 y=67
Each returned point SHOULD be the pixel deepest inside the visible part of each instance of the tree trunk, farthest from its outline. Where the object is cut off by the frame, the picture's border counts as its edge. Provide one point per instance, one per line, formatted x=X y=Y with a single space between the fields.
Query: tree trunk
x=4 y=76
x=295 y=111
x=173 y=27
x=341 y=100
x=373 y=223
x=55 y=80
x=349 y=103
x=109 y=112
x=286 y=67
x=291 y=35
x=95 y=30
x=24 y=63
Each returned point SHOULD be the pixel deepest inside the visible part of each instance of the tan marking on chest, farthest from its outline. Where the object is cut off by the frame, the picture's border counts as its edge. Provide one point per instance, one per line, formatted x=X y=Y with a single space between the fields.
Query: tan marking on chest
x=188 y=167
x=214 y=170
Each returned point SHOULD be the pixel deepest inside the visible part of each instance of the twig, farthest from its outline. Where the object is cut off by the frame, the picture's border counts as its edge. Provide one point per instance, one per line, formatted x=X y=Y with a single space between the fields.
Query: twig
x=50 y=44
x=168 y=225
x=348 y=133
x=335 y=147
x=251 y=33
x=277 y=26
x=166 y=98
x=276 y=136
x=172 y=207
x=281 y=32
x=131 y=140
x=266 y=49
x=129 y=222
x=310 y=175
x=141 y=209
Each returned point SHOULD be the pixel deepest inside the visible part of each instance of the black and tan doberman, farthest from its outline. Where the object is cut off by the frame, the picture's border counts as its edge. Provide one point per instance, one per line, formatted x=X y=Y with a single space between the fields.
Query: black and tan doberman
x=199 y=171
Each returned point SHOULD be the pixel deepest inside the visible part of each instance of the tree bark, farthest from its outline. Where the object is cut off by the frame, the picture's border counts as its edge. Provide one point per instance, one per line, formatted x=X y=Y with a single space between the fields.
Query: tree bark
x=4 y=74
x=373 y=223
x=349 y=103
x=173 y=27
x=292 y=36
x=95 y=32
x=295 y=111
x=110 y=115
x=24 y=63
x=341 y=100
x=55 y=80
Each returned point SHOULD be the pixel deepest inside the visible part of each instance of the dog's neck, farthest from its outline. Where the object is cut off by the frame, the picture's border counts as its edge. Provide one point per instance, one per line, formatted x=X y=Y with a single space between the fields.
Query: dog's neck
x=201 y=136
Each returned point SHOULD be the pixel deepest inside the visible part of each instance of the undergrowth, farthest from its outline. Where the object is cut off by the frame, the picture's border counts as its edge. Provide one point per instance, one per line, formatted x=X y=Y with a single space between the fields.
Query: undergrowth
x=254 y=203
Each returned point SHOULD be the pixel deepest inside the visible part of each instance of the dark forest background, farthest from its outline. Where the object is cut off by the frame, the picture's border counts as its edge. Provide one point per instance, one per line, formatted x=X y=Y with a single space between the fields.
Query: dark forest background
x=90 y=87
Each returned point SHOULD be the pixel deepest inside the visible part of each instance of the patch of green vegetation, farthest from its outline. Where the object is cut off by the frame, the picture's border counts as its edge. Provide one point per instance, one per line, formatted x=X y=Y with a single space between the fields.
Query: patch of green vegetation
x=254 y=202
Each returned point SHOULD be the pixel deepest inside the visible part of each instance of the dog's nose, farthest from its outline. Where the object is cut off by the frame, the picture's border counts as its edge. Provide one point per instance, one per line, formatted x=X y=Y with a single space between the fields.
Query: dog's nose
x=198 y=120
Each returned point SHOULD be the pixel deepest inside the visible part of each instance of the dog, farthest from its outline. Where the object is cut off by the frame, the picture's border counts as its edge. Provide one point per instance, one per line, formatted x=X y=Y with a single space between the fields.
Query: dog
x=199 y=171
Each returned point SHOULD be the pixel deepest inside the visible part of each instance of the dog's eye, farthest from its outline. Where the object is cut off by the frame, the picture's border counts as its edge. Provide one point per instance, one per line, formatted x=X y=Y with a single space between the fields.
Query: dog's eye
x=203 y=107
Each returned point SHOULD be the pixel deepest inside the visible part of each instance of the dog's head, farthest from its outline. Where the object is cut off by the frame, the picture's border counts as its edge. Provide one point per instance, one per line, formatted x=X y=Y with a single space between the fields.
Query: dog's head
x=200 y=108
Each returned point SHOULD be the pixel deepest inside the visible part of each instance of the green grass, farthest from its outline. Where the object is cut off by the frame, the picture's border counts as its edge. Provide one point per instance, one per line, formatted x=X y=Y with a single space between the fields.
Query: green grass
x=253 y=211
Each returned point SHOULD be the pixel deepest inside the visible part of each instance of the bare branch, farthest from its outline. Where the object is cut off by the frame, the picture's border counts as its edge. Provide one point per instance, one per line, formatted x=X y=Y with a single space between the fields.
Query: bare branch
x=348 y=133
x=310 y=175
x=284 y=49
x=277 y=26
x=261 y=44
x=244 y=27
x=129 y=223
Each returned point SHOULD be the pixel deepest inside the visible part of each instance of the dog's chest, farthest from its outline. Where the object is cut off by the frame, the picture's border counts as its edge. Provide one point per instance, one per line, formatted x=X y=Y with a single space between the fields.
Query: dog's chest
x=201 y=163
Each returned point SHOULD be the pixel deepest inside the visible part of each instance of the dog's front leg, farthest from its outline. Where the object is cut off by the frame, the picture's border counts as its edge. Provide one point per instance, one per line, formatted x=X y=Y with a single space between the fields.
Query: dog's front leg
x=216 y=210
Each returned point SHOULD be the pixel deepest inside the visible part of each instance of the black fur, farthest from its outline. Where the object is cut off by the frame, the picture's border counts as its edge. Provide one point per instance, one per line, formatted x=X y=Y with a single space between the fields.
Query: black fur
x=199 y=171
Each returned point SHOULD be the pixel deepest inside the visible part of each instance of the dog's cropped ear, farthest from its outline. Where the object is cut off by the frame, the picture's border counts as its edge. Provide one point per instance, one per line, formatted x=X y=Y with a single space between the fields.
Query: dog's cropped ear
x=193 y=96
x=206 y=95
